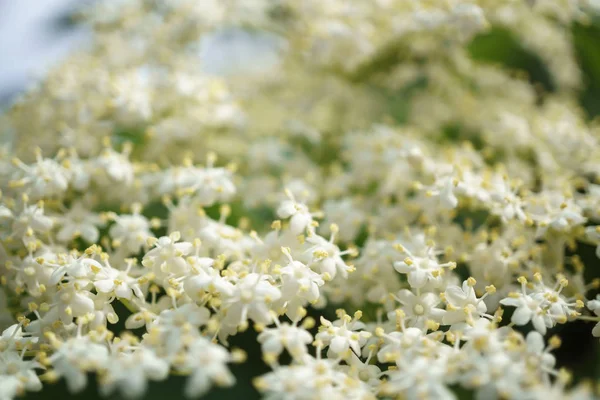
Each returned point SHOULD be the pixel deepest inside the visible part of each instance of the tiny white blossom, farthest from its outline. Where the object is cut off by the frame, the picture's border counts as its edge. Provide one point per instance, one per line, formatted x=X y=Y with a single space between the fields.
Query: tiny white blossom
x=419 y=309
x=300 y=216
x=43 y=179
x=79 y=221
x=130 y=232
x=207 y=363
x=75 y=357
x=287 y=336
x=167 y=256
x=463 y=304
x=421 y=266
x=343 y=334
x=129 y=370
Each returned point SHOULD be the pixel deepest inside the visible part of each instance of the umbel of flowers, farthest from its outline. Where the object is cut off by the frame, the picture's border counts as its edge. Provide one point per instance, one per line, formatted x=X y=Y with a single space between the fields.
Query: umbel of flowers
x=210 y=205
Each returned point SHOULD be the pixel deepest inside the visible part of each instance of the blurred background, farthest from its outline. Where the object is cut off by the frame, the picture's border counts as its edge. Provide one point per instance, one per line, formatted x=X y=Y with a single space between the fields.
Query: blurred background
x=34 y=35
x=37 y=34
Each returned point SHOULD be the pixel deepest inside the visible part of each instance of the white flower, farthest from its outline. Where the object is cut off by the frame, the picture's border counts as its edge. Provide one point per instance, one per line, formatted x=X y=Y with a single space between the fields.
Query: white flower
x=223 y=239
x=463 y=304
x=112 y=167
x=469 y=18
x=44 y=179
x=31 y=221
x=148 y=312
x=187 y=217
x=80 y=268
x=130 y=232
x=594 y=306
x=293 y=382
x=528 y=309
x=505 y=201
x=484 y=336
x=104 y=313
x=172 y=326
x=593 y=233
x=364 y=371
x=120 y=283
x=327 y=257
x=552 y=210
x=343 y=334
x=544 y=307
x=213 y=185
x=301 y=217
x=79 y=221
x=175 y=179
x=419 y=308
x=76 y=356
x=423 y=377
x=35 y=272
x=167 y=256
x=345 y=213
x=443 y=191
x=186 y=314
x=204 y=278
x=78 y=172
x=71 y=302
x=285 y=336
x=252 y=297
x=300 y=284
x=129 y=371
x=131 y=95
x=207 y=363
x=14 y=335
x=403 y=346
x=313 y=378
x=421 y=266
x=206 y=186
x=538 y=355
x=17 y=375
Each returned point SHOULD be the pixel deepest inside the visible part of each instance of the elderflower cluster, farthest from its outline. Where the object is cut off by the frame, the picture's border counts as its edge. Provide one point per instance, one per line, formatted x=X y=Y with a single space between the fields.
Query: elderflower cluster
x=371 y=257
